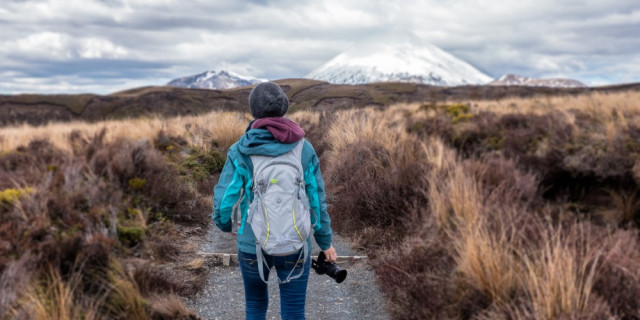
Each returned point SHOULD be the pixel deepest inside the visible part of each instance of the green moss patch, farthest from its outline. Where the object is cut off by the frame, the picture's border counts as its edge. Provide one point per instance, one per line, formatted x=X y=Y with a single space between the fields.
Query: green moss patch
x=130 y=236
x=137 y=183
x=459 y=112
x=200 y=165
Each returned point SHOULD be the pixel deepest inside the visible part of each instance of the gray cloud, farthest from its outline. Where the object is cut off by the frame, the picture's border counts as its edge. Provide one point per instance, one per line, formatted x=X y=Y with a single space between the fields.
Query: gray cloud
x=103 y=45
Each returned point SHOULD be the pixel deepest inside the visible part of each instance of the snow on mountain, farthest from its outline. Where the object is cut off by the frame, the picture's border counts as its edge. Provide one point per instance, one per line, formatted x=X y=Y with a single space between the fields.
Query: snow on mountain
x=515 y=80
x=398 y=57
x=215 y=80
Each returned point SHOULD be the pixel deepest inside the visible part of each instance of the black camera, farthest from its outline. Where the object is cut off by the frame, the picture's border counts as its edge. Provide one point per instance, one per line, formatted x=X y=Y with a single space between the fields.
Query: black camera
x=329 y=268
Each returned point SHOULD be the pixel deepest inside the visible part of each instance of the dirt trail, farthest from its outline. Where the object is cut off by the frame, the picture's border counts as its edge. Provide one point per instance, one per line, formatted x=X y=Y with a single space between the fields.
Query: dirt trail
x=222 y=298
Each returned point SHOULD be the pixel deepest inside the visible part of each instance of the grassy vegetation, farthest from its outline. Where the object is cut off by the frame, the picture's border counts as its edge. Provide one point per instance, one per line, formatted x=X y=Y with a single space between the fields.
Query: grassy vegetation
x=214 y=130
x=514 y=209
x=98 y=223
x=470 y=209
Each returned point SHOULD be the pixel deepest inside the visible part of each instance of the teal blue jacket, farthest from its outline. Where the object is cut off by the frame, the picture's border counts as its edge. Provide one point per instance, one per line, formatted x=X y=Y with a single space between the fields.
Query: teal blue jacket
x=237 y=175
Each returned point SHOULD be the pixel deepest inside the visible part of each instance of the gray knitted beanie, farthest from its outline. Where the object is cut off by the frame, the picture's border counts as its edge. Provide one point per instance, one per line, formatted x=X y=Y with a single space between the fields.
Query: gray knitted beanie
x=268 y=100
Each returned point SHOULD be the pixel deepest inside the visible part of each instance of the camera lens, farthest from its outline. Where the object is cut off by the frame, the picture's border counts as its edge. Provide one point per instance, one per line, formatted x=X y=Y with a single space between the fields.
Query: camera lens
x=336 y=272
x=341 y=275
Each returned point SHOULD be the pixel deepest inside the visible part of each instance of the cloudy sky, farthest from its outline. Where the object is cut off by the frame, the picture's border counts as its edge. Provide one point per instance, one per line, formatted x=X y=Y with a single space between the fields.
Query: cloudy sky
x=102 y=46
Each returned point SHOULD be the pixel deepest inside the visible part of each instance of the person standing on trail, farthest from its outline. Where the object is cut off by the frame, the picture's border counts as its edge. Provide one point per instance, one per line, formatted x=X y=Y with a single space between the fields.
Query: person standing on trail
x=271 y=135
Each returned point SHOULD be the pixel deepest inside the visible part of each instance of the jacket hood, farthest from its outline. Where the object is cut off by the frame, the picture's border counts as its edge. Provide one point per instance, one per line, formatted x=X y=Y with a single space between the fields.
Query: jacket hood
x=262 y=142
x=283 y=129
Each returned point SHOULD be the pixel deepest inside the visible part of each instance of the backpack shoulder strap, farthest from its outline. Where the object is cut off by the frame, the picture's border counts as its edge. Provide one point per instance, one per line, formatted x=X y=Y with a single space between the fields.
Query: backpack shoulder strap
x=297 y=150
x=304 y=255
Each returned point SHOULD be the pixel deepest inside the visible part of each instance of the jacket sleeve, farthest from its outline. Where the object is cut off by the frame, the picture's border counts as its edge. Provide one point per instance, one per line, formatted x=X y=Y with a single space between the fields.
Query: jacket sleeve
x=226 y=193
x=314 y=187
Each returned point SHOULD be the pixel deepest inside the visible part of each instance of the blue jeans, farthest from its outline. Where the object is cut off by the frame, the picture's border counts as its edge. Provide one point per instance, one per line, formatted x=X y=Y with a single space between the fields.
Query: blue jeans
x=292 y=294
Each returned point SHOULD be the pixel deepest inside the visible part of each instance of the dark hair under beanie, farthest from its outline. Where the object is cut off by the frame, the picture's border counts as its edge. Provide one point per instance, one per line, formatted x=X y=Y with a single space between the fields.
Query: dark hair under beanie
x=268 y=100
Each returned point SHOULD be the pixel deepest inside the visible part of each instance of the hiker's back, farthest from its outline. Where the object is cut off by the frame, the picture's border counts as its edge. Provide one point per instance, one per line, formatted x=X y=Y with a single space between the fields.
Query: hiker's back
x=265 y=167
x=279 y=214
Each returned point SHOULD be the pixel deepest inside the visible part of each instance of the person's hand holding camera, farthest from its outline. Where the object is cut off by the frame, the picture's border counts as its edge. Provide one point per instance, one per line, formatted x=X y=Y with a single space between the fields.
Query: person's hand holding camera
x=330 y=254
x=329 y=267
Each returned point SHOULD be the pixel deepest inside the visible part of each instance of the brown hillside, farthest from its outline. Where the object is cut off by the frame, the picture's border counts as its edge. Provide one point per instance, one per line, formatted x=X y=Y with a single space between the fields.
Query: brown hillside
x=304 y=94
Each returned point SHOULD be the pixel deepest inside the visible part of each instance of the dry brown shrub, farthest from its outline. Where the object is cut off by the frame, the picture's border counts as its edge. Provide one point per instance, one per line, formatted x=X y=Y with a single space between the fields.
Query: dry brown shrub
x=480 y=238
x=627 y=206
x=374 y=170
x=169 y=307
x=593 y=154
x=14 y=279
x=162 y=242
x=28 y=165
x=68 y=222
x=618 y=278
x=370 y=189
x=315 y=126
x=503 y=182
x=416 y=276
x=123 y=161
x=151 y=278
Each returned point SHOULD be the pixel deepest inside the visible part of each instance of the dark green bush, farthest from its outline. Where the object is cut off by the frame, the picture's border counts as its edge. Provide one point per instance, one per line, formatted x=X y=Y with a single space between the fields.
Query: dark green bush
x=130 y=236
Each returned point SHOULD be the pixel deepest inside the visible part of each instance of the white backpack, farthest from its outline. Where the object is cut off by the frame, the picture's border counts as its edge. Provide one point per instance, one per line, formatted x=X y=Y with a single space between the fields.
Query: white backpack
x=280 y=214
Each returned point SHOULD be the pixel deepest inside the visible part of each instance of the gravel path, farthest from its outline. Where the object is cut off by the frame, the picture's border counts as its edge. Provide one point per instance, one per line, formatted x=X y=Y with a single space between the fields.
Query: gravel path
x=358 y=297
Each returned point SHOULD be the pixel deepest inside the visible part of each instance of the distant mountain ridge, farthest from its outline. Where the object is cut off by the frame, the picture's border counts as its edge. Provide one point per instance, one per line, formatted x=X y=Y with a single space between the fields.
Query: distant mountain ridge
x=303 y=94
x=399 y=57
x=516 y=80
x=215 y=80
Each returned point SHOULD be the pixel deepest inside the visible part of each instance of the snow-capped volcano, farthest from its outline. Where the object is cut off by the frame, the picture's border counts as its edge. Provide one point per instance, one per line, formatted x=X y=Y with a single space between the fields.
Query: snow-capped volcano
x=215 y=80
x=398 y=57
x=515 y=80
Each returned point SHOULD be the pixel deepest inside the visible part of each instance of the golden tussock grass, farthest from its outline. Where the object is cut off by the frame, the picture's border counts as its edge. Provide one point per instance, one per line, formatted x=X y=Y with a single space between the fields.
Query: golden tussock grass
x=386 y=128
x=168 y=307
x=560 y=276
x=605 y=106
x=484 y=257
x=219 y=128
x=197 y=263
x=463 y=196
x=486 y=261
x=125 y=299
x=308 y=117
x=524 y=267
x=56 y=299
x=610 y=111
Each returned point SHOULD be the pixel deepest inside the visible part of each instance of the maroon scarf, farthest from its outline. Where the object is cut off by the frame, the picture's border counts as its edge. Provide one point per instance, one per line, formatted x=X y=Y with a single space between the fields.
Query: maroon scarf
x=283 y=129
